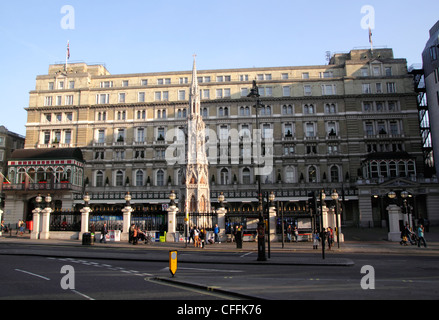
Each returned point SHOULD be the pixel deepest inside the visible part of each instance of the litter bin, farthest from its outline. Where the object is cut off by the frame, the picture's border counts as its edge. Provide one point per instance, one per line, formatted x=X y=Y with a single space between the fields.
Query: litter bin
x=86 y=239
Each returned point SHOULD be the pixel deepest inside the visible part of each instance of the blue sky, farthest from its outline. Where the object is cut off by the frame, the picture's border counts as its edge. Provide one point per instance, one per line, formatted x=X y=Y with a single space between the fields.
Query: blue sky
x=134 y=36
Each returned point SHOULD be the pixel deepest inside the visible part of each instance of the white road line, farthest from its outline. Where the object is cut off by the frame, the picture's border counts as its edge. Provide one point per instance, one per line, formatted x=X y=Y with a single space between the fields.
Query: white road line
x=245 y=254
x=83 y=295
x=32 y=274
x=201 y=269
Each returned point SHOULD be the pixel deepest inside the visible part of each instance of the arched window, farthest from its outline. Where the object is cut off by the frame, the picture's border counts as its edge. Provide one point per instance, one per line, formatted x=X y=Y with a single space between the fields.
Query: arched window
x=160 y=181
x=246 y=176
x=335 y=174
x=224 y=176
x=99 y=179
x=312 y=174
x=289 y=175
x=119 y=178
x=139 y=178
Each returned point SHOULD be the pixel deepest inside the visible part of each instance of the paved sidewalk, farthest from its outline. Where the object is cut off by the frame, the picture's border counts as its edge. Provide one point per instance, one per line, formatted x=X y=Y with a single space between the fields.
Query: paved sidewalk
x=362 y=241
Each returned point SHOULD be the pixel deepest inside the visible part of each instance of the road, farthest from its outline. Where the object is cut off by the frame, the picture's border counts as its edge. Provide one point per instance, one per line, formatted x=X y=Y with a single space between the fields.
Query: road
x=40 y=276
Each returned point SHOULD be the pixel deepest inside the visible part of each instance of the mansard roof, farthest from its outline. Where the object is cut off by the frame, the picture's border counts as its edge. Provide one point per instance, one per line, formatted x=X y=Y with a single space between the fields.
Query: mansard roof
x=48 y=154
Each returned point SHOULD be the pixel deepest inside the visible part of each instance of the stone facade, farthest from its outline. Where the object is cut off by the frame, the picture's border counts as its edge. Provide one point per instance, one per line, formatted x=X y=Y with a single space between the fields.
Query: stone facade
x=351 y=125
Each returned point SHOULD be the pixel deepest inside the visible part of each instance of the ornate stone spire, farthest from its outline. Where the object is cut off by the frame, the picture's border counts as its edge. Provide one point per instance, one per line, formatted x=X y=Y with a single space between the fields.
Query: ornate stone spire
x=194 y=94
x=197 y=167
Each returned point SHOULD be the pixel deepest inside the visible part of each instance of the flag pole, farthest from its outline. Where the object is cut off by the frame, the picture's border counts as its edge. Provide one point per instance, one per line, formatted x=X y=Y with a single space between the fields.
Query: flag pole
x=370 y=39
x=67 y=54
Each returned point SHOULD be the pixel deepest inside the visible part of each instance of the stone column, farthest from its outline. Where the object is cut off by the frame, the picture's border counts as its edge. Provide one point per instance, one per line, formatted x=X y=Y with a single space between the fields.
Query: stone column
x=85 y=212
x=172 y=223
x=394 y=216
x=221 y=213
x=45 y=234
x=126 y=223
x=36 y=221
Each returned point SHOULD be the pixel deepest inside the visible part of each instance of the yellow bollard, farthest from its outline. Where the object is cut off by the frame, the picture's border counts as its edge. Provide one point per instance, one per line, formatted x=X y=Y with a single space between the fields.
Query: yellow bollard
x=173 y=262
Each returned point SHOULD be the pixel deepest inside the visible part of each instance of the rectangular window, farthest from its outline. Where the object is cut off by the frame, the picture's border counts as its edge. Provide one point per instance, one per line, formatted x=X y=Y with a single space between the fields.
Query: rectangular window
x=379 y=88
x=140 y=135
x=366 y=88
x=48 y=101
x=141 y=97
x=391 y=88
x=46 y=137
x=328 y=89
x=181 y=95
x=102 y=98
x=101 y=136
x=69 y=100
x=310 y=130
x=67 y=136
x=286 y=91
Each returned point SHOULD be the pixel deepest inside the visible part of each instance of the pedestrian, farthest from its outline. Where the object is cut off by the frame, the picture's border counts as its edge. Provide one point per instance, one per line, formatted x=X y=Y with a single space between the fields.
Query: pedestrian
x=421 y=236
x=18 y=227
x=296 y=233
x=330 y=234
x=104 y=232
x=289 y=233
x=196 y=237
x=135 y=235
x=3 y=228
x=216 y=231
x=130 y=233
x=191 y=235
x=316 y=240
x=238 y=236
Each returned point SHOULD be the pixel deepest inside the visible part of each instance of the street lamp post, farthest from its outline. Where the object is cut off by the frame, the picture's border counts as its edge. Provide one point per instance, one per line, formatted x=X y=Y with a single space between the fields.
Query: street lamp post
x=254 y=93
x=322 y=229
x=405 y=195
x=334 y=197
x=271 y=209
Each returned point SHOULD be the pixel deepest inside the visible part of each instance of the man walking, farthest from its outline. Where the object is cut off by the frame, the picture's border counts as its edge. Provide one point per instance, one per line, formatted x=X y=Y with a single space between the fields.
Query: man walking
x=421 y=236
x=104 y=232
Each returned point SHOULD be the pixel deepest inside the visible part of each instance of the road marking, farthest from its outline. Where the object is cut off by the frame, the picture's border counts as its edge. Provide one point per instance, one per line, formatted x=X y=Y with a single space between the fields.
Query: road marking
x=245 y=254
x=83 y=295
x=201 y=269
x=32 y=274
